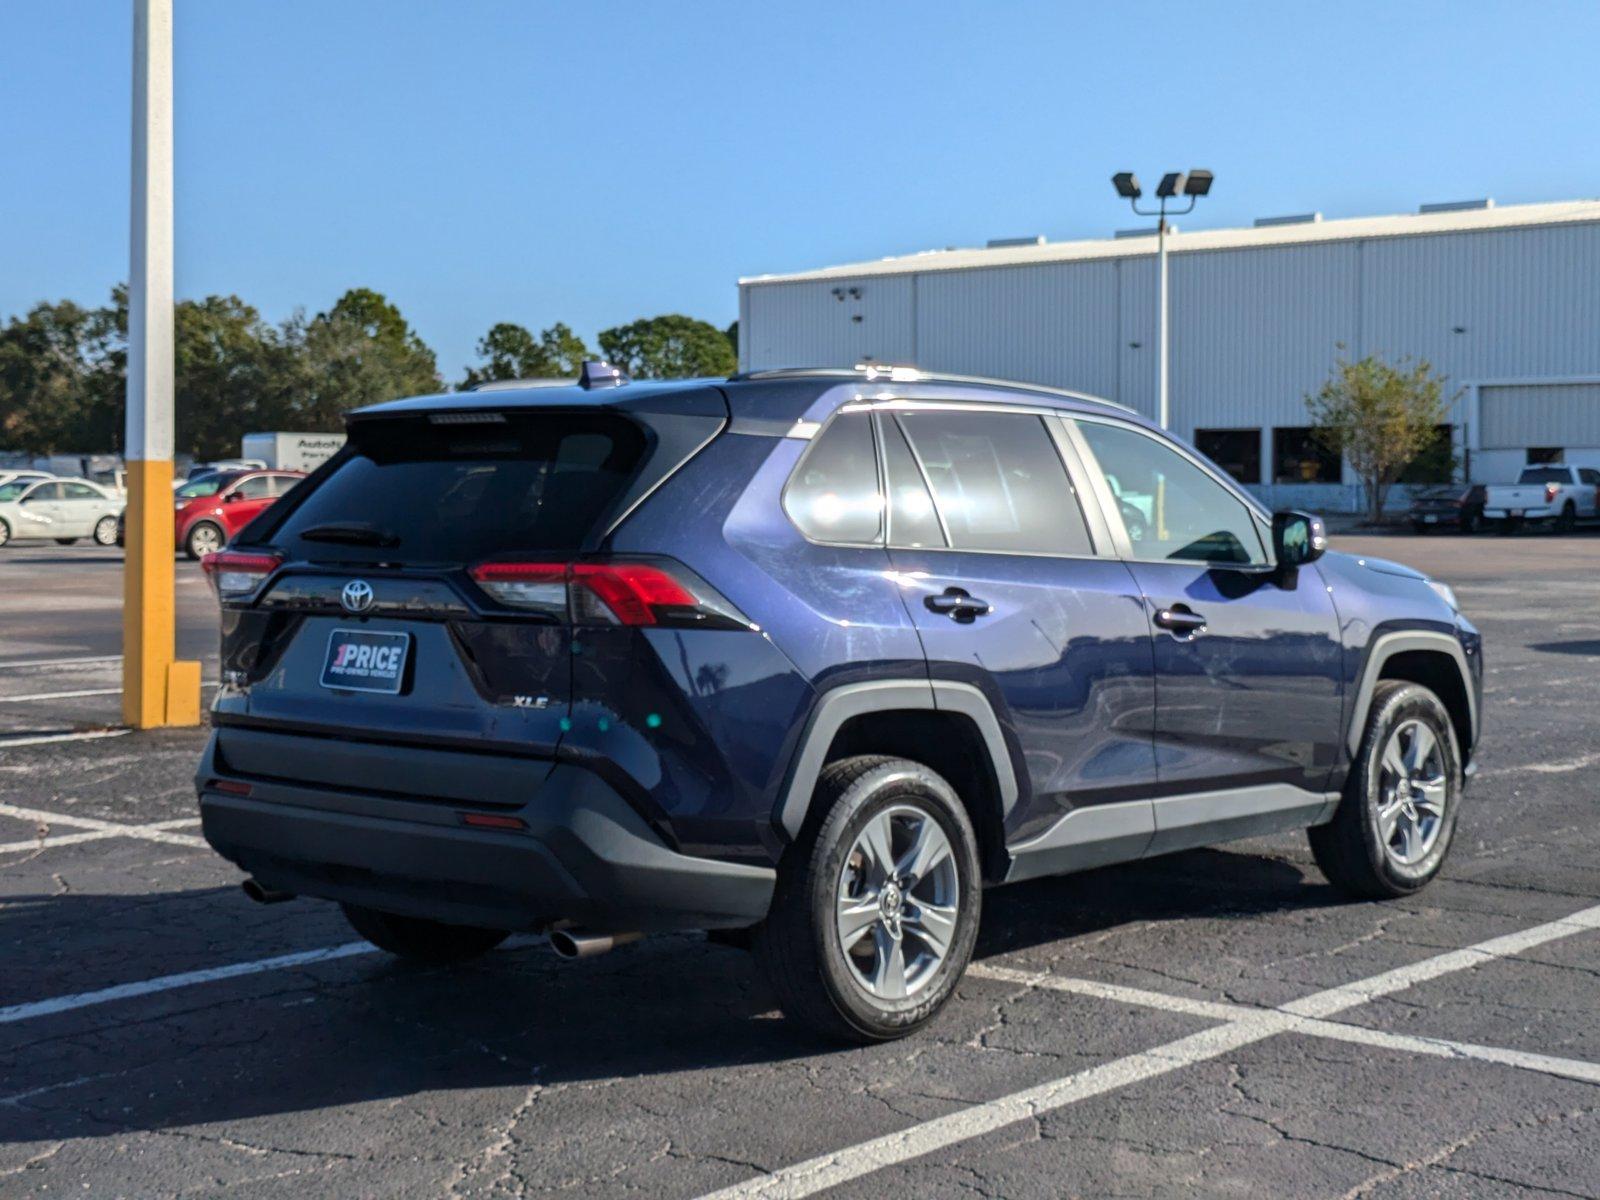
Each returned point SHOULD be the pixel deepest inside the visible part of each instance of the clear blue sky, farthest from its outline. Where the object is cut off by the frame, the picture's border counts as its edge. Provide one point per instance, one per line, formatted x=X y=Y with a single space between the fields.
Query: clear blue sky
x=593 y=162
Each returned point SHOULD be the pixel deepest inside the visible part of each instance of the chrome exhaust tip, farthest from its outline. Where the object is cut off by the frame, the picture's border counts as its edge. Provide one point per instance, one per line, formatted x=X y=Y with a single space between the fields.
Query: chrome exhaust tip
x=576 y=943
x=262 y=894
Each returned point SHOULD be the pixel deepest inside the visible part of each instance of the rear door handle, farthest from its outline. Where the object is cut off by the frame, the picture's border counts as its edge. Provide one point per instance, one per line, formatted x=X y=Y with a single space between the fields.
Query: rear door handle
x=1180 y=619
x=958 y=604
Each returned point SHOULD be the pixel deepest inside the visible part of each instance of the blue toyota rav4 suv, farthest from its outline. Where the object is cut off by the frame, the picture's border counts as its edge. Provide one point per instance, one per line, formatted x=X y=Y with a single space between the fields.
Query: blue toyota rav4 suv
x=813 y=656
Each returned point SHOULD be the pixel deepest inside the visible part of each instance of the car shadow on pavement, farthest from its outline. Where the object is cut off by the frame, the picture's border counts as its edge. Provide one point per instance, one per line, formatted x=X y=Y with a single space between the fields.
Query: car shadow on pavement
x=371 y=1028
x=1588 y=647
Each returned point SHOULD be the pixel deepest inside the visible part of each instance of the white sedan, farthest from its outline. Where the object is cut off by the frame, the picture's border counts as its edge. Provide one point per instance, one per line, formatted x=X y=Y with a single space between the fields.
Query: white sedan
x=63 y=510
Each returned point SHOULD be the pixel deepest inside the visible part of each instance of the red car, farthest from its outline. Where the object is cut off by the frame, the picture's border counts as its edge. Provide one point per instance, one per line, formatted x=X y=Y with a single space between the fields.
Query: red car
x=211 y=509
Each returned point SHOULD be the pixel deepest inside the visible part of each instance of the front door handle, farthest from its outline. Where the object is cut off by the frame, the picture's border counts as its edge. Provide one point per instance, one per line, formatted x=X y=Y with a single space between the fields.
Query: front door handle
x=1180 y=619
x=958 y=604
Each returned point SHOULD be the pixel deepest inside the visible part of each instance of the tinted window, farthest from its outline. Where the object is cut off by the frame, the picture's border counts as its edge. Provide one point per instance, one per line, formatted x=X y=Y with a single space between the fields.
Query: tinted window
x=1588 y=475
x=1169 y=506
x=80 y=491
x=912 y=519
x=14 y=489
x=205 y=486
x=538 y=483
x=1546 y=475
x=256 y=487
x=833 y=496
x=998 y=481
x=46 y=491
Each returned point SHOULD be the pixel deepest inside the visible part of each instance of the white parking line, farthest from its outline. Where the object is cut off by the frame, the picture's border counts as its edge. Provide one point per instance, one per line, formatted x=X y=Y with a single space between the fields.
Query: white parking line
x=87 y=735
x=73 y=695
x=159 y=831
x=1544 y=1064
x=830 y=1170
x=60 y=662
x=94 y=835
x=166 y=983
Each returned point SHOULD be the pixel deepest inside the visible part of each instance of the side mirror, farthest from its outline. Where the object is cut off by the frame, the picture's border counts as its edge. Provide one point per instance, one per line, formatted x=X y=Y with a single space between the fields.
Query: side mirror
x=1298 y=538
x=233 y=498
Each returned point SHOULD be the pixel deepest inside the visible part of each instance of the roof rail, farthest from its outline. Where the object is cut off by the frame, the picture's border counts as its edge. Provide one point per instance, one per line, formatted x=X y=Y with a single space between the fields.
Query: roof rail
x=517 y=385
x=877 y=372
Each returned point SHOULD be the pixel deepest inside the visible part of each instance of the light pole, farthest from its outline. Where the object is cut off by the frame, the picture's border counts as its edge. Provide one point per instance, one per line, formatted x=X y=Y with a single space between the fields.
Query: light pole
x=156 y=690
x=1194 y=185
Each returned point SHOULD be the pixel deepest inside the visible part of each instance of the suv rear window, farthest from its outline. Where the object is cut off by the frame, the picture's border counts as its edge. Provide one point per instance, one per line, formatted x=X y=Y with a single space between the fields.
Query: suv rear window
x=412 y=491
x=1546 y=475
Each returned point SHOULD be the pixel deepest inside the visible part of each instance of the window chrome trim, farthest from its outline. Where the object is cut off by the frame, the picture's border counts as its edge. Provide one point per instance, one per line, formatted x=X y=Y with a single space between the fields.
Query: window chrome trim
x=1113 y=513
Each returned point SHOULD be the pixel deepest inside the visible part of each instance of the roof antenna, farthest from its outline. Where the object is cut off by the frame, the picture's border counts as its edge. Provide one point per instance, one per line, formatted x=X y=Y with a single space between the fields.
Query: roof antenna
x=597 y=374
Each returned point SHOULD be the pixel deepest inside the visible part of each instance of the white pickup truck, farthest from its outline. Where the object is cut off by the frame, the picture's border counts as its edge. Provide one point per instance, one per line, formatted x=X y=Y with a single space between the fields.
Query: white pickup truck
x=1552 y=492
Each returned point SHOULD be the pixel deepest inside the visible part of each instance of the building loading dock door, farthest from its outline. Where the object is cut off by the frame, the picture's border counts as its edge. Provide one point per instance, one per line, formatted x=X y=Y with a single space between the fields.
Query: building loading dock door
x=1539 y=414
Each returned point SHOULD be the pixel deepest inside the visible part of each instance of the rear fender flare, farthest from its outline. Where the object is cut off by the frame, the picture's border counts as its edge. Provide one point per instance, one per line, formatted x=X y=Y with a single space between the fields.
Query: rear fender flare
x=839 y=705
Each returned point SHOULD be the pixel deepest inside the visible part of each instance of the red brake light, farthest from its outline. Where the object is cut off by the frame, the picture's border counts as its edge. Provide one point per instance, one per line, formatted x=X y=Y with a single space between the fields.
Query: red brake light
x=1550 y=490
x=609 y=593
x=235 y=575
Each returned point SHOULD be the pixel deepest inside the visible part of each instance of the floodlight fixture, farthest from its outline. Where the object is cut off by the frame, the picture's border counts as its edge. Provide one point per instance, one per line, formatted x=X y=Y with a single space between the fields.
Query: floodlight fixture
x=1171 y=185
x=1198 y=183
x=1127 y=185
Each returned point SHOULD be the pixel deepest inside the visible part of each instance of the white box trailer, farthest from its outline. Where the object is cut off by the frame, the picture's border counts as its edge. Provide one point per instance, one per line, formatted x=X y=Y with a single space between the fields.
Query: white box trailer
x=291 y=451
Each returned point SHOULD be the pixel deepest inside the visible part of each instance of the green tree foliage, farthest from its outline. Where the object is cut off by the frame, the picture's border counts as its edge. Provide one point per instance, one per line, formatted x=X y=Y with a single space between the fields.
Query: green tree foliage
x=732 y=334
x=61 y=378
x=1380 y=416
x=235 y=373
x=669 y=347
x=360 y=351
x=510 y=352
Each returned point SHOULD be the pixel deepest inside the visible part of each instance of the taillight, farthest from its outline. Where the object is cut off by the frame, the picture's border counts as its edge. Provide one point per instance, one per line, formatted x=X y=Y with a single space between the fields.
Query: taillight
x=234 y=575
x=610 y=593
x=1550 y=491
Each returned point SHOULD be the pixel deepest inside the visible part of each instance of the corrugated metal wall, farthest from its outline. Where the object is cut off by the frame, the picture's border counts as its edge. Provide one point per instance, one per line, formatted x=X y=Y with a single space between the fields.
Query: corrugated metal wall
x=1254 y=329
x=1550 y=414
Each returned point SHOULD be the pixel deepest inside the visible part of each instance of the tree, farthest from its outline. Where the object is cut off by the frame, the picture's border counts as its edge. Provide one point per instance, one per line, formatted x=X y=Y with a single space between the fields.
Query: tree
x=359 y=352
x=732 y=334
x=669 y=347
x=511 y=352
x=1379 y=416
x=61 y=377
x=234 y=374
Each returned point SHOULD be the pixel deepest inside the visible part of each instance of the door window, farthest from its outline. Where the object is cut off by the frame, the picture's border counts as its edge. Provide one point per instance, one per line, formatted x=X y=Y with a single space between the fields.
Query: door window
x=912 y=519
x=45 y=491
x=80 y=491
x=256 y=487
x=833 y=495
x=1171 y=508
x=998 y=482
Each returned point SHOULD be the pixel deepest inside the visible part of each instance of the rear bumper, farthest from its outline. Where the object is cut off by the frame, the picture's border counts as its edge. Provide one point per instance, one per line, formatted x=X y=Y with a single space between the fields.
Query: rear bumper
x=585 y=856
x=1539 y=513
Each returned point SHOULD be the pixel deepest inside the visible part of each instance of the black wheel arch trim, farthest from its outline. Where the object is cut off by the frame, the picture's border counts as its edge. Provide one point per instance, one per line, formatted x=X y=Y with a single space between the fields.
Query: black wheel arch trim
x=847 y=701
x=1384 y=647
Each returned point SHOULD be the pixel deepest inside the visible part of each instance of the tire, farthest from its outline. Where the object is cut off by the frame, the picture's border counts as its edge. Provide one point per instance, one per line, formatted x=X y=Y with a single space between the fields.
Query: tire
x=1417 y=527
x=819 y=982
x=1568 y=520
x=1352 y=850
x=421 y=940
x=203 y=537
x=66 y=541
x=105 y=531
x=1472 y=522
x=5 y=533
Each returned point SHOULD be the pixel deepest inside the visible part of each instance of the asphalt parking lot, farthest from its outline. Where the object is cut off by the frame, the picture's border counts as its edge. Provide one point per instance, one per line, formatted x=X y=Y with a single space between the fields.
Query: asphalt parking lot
x=1216 y=1022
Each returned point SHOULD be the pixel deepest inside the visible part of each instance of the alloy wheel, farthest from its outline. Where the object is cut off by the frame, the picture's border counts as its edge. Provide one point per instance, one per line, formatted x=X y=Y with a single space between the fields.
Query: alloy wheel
x=1412 y=792
x=205 y=539
x=899 y=898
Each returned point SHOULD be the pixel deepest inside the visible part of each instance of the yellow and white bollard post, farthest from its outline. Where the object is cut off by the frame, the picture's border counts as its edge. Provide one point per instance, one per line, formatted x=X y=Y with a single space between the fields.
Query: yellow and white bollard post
x=156 y=689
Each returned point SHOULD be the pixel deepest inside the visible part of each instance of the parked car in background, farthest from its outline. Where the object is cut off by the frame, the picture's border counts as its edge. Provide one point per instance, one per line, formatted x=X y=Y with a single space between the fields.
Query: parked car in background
x=25 y=476
x=1553 y=493
x=62 y=510
x=200 y=470
x=483 y=674
x=1448 y=506
x=209 y=510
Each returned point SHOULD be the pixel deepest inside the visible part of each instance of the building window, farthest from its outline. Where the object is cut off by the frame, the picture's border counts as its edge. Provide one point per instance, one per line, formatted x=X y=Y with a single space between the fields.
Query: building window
x=1435 y=462
x=1544 y=454
x=1299 y=457
x=1236 y=451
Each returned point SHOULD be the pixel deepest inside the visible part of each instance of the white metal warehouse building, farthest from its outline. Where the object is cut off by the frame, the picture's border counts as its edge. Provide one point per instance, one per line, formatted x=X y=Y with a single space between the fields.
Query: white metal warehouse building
x=1504 y=301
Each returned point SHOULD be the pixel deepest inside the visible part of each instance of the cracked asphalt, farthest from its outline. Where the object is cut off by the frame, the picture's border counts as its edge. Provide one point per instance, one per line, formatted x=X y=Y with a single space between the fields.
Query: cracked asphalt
x=662 y=1069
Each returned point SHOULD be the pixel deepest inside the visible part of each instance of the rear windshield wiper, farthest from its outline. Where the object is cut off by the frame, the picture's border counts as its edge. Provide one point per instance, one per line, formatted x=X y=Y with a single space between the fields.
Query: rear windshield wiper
x=350 y=533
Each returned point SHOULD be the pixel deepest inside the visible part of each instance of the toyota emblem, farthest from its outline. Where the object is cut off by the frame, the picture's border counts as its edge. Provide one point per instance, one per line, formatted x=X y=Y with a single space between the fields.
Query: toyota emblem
x=356 y=596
